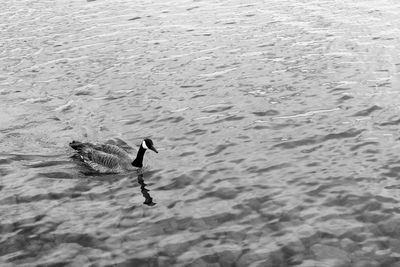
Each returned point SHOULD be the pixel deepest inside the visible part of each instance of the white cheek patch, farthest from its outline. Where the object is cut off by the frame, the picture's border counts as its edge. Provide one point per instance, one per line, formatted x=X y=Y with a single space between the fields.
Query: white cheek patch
x=144 y=145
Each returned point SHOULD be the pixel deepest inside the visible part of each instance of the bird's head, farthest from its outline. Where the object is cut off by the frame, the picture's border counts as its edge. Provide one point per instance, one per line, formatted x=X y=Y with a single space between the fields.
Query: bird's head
x=148 y=144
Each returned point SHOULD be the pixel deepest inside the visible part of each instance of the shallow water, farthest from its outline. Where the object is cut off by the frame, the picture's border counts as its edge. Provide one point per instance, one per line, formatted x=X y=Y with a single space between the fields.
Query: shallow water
x=276 y=123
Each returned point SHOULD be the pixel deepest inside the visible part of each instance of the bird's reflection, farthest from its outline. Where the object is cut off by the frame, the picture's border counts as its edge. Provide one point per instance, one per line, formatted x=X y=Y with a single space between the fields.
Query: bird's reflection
x=145 y=192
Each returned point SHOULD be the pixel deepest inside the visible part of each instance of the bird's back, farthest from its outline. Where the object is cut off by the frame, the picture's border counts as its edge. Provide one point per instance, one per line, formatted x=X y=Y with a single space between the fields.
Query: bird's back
x=103 y=157
x=114 y=150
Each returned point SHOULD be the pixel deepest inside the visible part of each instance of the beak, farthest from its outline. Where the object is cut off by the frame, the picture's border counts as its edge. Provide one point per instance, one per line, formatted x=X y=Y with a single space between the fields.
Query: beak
x=153 y=148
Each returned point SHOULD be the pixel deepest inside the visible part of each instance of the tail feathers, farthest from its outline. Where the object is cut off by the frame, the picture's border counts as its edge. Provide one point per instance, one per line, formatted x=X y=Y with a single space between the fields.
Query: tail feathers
x=77 y=145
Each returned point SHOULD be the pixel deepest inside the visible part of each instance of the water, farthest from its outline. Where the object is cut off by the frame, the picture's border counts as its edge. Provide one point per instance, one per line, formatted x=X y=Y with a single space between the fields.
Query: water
x=276 y=123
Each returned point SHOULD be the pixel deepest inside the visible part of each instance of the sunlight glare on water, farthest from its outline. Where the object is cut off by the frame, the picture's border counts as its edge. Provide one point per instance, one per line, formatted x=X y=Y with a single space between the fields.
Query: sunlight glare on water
x=276 y=123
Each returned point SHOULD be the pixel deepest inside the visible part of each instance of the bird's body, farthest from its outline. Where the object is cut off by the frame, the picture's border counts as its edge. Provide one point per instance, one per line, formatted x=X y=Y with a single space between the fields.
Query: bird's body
x=107 y=158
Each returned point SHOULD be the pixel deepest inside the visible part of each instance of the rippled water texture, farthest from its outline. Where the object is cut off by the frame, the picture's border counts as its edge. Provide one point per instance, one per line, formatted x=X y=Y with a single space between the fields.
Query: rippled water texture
x=276 y=122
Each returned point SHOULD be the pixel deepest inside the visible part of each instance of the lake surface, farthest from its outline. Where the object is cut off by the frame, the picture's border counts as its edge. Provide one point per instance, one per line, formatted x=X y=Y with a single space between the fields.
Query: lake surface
x=276 y=122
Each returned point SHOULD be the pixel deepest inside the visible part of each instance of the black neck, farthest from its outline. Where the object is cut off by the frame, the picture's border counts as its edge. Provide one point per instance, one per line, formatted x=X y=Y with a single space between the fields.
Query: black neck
x=138 y=162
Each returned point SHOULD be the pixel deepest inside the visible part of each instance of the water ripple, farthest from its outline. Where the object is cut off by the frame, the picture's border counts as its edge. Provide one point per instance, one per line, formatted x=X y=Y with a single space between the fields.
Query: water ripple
x=276 y=123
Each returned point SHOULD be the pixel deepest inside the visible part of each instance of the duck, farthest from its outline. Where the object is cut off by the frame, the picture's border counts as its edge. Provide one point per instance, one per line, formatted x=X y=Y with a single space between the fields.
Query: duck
x=108 y=158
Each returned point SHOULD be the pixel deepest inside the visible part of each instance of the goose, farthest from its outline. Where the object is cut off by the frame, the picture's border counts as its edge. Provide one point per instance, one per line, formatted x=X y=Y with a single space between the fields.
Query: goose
x=107 y=158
